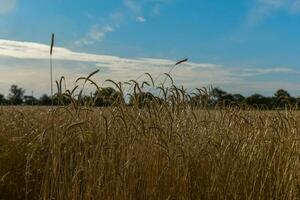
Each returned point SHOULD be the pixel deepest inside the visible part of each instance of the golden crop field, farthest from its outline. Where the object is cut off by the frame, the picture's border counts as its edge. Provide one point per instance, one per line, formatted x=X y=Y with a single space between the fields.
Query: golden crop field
x=158 y=152
x=149 y=100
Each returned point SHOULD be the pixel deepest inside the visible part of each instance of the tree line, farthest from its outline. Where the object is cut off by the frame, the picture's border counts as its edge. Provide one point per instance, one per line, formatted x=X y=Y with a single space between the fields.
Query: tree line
x=104 y=97
x=280 y=99
x=109 y=96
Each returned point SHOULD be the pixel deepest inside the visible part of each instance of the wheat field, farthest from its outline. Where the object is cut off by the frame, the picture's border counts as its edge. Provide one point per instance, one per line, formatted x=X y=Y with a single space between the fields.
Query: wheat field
x=158 y=151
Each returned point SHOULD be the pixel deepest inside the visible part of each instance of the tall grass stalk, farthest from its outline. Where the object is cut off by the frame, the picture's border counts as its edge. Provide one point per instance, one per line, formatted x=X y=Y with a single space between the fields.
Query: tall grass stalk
x=51 y=67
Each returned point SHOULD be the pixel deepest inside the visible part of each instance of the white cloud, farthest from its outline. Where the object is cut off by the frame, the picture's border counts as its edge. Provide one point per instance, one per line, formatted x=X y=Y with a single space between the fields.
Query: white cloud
x=26 y=64
x=35 y=51
x=140 y=19
x=7 y=6
x=261 y=71
x=96 y=34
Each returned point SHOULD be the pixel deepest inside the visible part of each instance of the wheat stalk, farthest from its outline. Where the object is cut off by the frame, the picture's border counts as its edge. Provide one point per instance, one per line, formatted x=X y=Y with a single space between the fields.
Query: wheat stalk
x=51 y=68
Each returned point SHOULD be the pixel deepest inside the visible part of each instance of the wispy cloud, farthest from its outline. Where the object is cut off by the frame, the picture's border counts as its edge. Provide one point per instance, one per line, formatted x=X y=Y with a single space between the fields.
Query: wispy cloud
x=7 y=6
x=265 y=8
x=96 y=34
x=131 y=10
x=140 y=19
x=26 y=64
x=295 y=6
x=139 y=8
x=261 y=71
x=156 y=9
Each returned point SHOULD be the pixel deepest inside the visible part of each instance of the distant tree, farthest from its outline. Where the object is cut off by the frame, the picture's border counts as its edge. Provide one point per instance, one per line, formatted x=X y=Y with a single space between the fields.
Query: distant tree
x=142 y=99
x=283 y=98
x=218 y=93
x=281 y=93
x=87 y=100
x=238 y=98
x=202 y=100
x=3 y=101
x=45 y=100
x=297 y=101
x=107 y=97
x=221 y=97
x=226 y=99
x=30 y=100
x=16 y=95
x=60 y=100
x=260 y=101
x=218 y=96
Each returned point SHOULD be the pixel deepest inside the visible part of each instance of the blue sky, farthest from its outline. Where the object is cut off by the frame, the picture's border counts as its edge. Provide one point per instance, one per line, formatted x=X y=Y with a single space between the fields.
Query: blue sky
x=243 y=46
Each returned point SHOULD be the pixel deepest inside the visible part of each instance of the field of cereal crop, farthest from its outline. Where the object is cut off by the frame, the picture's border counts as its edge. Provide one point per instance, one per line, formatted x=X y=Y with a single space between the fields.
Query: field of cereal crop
x=159 y=152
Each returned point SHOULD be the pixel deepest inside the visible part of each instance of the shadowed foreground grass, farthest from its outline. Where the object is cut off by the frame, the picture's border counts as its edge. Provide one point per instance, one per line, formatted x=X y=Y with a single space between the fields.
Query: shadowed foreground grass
x=153 y=153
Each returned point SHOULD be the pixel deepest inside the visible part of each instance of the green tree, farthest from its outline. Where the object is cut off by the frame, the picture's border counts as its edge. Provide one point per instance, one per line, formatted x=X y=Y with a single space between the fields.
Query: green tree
x=2 y=100
x=142 y=99
x=107 y=97
x=260 y=101
x=30 y=100
x=238 y=98
x=16 y=95
x=220 y=97
x=226 y=99
x=281 y=93
x=283 y=98
x=202 y=100
x=218 y=93
x=45 y=100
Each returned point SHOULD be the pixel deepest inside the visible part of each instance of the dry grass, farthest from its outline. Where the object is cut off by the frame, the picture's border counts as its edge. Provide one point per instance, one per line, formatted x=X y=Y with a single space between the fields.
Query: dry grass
x=161 y=151
x=130 y=153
